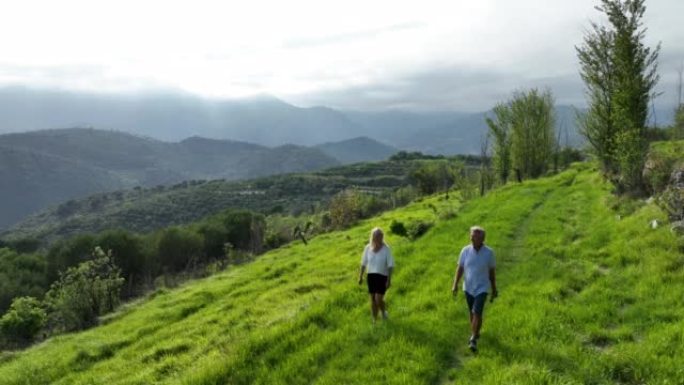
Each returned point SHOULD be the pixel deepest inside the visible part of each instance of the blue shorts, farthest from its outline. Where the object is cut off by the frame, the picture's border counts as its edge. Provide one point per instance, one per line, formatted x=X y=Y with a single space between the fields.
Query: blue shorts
x=476 y=303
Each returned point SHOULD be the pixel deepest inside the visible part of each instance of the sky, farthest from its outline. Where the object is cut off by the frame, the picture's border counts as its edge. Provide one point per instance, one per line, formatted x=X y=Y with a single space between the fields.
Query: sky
x=364 y=55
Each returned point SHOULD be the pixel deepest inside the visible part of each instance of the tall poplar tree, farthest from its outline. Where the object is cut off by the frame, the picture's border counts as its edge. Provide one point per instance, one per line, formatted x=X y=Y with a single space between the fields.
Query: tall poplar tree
x=620 y=73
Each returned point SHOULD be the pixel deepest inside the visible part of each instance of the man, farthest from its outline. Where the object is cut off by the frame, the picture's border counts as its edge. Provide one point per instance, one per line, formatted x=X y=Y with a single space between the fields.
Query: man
x=477 y=263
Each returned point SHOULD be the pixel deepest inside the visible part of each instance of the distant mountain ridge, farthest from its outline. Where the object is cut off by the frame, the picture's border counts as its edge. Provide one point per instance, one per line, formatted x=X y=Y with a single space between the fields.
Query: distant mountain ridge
x=262 y=120
x=41 y=168
x=361 y=149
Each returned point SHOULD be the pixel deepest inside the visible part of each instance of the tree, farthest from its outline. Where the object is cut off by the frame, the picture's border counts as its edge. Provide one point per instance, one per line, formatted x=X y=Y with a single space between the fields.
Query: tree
x=345 y=208
x=500 y=128
x=532 y=137
x=486 y=177
x=21 y=275
x=85 y=292
x=25 y=318
x=127 y=251
x=301 y=232
x=678 y=129
x=619 y=73
x=678 y=133
x=432 y=176
x=523 y=131
x=178 y=248
x=69 y=252
x=245 y=230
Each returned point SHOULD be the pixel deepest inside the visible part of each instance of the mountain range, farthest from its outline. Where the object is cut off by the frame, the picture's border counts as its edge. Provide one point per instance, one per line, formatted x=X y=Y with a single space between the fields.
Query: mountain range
x=163 y=138
x=263 y=120
x=41 y=168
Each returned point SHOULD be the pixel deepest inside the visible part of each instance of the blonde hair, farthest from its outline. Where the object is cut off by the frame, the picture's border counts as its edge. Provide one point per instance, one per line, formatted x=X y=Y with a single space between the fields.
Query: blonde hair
x=376 y=232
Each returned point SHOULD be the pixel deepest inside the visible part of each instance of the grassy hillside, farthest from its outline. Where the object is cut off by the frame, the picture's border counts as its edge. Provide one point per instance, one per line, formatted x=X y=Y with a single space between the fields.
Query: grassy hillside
x=586 y=297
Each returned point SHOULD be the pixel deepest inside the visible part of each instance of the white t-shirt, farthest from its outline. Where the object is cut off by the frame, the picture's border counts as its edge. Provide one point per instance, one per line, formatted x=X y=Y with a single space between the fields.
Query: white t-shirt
x=476 y=265
x=377 y=263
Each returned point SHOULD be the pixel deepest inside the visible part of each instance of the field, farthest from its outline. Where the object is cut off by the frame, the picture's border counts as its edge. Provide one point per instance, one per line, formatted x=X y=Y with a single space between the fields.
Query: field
x=590 y=293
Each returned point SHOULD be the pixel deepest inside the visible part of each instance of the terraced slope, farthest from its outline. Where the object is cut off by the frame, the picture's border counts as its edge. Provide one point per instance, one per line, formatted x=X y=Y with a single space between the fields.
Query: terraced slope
x=586 y=297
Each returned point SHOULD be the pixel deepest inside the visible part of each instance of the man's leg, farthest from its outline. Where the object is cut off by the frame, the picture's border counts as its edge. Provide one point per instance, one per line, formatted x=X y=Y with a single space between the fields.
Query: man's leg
x=476 y=315
x=470 y=300
x=475 y=325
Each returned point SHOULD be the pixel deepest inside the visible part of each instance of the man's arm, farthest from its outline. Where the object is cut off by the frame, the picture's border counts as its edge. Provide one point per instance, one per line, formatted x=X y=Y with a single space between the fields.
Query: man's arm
x=492 y=279
x=457 y=279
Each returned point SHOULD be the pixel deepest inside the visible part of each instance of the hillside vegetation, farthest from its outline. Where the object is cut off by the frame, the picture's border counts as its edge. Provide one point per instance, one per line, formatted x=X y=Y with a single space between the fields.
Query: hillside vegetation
x=585 y=297
x=148 y=209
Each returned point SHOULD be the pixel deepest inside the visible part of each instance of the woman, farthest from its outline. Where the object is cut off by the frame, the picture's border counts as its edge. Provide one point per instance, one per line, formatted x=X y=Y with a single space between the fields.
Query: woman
x=377 y=258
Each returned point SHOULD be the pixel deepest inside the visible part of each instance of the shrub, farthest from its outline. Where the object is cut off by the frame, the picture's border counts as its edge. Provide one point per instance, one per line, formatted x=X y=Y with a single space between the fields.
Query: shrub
x=21 y=275
x=417 y=229
x=84 y=292
x=25 y=318
x=274 y=239
x=69 y=252
x=657 y=172
x=398 y=228
x=178 y=247
x=345 y=208
x=25 y=245
x=127 y=252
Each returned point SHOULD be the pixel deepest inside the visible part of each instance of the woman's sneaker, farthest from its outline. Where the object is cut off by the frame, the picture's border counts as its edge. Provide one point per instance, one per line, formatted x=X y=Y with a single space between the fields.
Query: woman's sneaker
x=385 y=315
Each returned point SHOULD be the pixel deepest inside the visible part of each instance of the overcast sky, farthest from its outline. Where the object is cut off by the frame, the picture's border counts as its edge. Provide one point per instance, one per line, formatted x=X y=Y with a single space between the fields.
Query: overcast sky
x=420 y=55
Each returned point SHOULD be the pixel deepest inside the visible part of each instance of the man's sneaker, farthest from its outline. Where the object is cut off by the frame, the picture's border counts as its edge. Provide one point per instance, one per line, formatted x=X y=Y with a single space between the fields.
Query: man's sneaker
x=472 y=344
x=385 y=315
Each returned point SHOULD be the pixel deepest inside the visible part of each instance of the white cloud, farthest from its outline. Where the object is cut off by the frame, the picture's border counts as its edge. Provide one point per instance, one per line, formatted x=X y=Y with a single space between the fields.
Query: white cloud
x=302 y=50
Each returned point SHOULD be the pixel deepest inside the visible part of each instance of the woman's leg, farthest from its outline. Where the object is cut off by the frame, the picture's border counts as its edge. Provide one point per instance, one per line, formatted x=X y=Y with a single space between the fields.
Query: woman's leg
x=380 y=302
x=374 y=307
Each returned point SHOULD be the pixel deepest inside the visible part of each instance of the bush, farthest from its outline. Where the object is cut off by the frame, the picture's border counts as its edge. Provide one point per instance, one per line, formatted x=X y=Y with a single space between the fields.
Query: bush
x=657 y=172
x=274 y=239
x=178 y=248
x=127 y=252
x=25 y=245
x=345 y=208
x=25 y=318
x=21 y=275
x=69 y=252
x=85 y=292
x=417 y=229
x=398 y=228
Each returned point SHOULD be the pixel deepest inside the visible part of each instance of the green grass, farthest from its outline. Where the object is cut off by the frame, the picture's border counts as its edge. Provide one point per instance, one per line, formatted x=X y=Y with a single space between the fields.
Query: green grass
x=585 y=298
x=670 y=148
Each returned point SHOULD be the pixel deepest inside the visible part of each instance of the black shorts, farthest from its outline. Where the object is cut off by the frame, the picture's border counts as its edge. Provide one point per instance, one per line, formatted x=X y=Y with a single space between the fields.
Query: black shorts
x=377 y=283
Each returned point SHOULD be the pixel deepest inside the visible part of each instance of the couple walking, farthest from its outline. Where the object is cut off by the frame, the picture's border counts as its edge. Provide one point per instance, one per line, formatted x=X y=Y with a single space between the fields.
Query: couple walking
x=476 y=263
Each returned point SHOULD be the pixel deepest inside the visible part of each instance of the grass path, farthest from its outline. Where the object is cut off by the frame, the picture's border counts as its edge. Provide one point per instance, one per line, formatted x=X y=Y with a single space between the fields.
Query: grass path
x=585 y=299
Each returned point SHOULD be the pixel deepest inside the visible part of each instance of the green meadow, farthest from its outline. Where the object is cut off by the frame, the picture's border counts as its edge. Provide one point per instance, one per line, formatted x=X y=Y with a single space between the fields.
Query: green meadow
x=590 y=293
